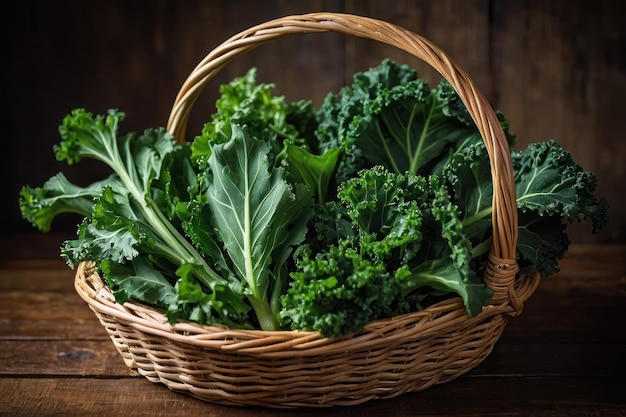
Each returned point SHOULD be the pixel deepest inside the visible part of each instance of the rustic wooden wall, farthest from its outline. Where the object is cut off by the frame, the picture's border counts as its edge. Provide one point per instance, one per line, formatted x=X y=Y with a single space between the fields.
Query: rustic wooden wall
x=555 y=67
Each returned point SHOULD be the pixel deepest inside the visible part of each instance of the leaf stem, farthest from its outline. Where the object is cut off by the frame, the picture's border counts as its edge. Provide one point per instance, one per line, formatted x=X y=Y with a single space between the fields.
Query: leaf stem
x=183 y=251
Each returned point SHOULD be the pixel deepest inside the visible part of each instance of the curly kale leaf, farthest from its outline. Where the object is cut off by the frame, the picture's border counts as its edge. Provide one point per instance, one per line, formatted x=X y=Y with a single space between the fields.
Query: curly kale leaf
x=468 y=176
x=551 y=182
x=405 y=245
x=390 y=117
x=445 y=260
x=131 y=218
x=138 y=280
x=384 y=209
x=338 y=292
x=57 y=196
x=551 y=190
x=267 y=117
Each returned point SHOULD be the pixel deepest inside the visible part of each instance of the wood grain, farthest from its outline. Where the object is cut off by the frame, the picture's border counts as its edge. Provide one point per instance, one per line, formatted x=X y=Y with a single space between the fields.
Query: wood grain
x=67 y=357
x=559 y=74
x=564 y=355
x=522 y=396
x=461 y=29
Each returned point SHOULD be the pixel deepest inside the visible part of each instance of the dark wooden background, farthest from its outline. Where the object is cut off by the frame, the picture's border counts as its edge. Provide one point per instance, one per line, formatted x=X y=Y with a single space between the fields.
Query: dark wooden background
x=555 y=67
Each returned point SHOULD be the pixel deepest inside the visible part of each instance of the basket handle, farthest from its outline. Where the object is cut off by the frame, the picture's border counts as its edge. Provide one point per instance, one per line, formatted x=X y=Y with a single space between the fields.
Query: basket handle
x=503 y=266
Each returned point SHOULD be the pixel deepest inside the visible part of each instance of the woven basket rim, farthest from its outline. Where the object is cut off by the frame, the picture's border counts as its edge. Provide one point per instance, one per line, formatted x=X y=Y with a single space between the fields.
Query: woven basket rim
x=92 y=289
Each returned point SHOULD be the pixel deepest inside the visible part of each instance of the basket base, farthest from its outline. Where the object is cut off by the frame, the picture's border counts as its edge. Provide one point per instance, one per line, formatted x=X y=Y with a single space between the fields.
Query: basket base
x=337 y=378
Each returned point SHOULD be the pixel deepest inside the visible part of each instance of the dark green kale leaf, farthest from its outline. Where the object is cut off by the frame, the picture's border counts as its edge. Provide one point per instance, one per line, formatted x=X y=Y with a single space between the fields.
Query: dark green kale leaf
x=551 y=191
x=256 y=214
x=41 y=205
x=390 y=117
x=405 y=245
x=132 y=220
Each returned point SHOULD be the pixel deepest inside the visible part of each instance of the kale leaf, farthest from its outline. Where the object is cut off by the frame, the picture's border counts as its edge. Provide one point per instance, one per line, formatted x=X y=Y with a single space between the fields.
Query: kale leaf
x=405 y=244
x=390 y=117
x=551 y=191
x=257 y=216
x=126 y=228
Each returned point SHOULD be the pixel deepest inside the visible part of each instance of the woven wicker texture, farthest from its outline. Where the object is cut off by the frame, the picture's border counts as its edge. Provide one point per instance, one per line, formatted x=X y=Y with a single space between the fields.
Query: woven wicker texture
x=301 y=369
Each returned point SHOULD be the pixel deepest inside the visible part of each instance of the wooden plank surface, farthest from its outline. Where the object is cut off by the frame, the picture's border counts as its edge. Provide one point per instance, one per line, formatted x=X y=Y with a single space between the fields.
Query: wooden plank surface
x=36 y=358
x=521 y=396
x=467 y=44
x=559 y=73
x=565 y=354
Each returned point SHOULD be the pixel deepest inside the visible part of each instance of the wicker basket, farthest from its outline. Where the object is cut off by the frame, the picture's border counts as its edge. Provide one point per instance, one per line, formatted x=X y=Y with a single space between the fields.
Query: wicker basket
x=301 y=369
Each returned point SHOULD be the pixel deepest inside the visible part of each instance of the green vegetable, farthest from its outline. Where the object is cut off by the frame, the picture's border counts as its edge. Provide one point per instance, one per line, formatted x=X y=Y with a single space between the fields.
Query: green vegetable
x=550 y=189
x=279 y=215
x=258 y=217
x=406 y=242
x=389 y=117
x=267 y=117
x=127 y=229
x=57 y=196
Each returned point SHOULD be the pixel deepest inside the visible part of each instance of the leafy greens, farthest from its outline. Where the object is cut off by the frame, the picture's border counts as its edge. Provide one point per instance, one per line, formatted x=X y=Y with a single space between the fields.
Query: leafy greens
x=280 y=215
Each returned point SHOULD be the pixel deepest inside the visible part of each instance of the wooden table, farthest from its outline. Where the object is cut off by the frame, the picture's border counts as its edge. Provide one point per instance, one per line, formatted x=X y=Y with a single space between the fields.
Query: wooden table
x=564 y=356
